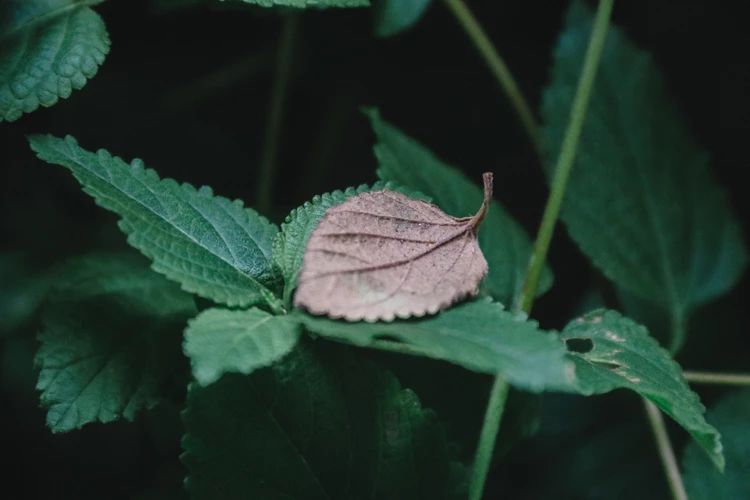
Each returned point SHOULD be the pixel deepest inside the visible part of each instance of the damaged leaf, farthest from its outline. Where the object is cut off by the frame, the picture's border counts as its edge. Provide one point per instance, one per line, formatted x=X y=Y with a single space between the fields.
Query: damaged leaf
x=612 y=351
x=382 y=255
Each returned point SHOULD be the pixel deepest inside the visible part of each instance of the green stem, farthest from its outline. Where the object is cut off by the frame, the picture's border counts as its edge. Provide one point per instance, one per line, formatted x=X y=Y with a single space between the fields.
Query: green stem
x=717 y=378
x=567 y=154
x=666 y=452
x=496 y=403
x=266 y=171
x=493 y=416
x=499 y=69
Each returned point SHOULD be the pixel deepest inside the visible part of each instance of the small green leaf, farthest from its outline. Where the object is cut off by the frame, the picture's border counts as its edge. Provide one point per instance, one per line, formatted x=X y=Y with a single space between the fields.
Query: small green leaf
x=504 y=242
x=220 y=341
x=476 y=335
x=304 y=4
x=394 y=16
x=47 y=49
x=640 y=201
x=315 y=426
x=214 y=247
x=702 y=481
x=612 y=352
x=109 y=342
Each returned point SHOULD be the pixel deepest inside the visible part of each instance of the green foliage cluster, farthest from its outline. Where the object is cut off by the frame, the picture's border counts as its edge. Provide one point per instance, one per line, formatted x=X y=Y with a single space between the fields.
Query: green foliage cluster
x=282 y=404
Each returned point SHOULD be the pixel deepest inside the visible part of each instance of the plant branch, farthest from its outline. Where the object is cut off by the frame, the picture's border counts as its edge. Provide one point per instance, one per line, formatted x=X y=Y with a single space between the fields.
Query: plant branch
x=492 y=417
x=267 y=168
x=496 y=403
x=717 y=378
x=498 y=68
x=567 y=155
x=666 y=452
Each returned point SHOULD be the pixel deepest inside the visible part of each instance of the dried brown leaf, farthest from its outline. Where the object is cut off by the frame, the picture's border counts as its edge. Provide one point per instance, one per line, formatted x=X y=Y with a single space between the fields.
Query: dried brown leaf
x=382 y=255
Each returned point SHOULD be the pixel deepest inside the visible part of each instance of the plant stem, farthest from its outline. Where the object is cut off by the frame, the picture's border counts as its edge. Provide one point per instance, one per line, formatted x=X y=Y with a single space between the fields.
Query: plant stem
x=666 y=453
x=483 y=459
x=567 y=154
x=496 y=403
x=499 y=69
x=717 y=378
x=266 y=170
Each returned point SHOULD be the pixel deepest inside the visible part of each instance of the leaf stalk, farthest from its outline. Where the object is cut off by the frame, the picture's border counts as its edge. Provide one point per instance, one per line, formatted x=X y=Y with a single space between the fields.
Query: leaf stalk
x=740 y=379
x=498 y=68
x=496 y=403
x=666 y=452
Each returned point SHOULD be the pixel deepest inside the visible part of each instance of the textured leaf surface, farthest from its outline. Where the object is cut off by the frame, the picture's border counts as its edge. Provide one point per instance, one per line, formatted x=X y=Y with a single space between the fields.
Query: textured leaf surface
x=381 y=255
x=394 y=16
x=48 y=48
x=290 y=243
x=314 y=426
x=702 y=481
x=302 y=4
x=615 y=352
x=220 y=341
x=214 y=247
x=640 y=201
x=478 y=335
x=109 y=342
x=506 y=245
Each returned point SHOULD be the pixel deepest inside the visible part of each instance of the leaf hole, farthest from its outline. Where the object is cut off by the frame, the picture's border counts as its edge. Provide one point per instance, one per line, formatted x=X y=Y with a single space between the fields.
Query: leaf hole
x=581 y=346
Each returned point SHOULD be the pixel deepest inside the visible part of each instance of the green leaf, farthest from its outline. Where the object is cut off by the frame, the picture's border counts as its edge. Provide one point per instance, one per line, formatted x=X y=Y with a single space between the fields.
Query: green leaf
x=394 y=16
x=214 y=247
x=640 y=201
x=319 y=425
x=476 y=335
x=612 y=351
x=47 y=49
x=504 y=242
x=109 y=342
x=702 y=481
x=220 y=341
x=303 y=4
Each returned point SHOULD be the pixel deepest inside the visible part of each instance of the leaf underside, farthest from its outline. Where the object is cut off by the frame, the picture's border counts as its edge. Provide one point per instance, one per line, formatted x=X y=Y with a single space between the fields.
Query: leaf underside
x=505 y=244
x=315 y=426
x=109 y=341
x=214 y=247
x=621 y=354
x=382 y=255
x=41 y=62
x=394 y=16
x=640 y=201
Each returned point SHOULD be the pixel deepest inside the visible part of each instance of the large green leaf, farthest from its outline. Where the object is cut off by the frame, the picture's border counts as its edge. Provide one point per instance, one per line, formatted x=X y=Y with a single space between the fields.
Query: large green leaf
x=219 y=341
x=394 y=16
x=504 y=242
x=214 y=247
x=109 y=342
x=702 y=481
x=477 y=335
x=316 y=426
x=612 y=351
x=640 y=201
x=303 y=4
x=47 y=49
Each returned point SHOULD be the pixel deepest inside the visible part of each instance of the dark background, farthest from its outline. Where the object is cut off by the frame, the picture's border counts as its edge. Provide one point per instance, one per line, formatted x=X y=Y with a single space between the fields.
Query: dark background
x=188 y=89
